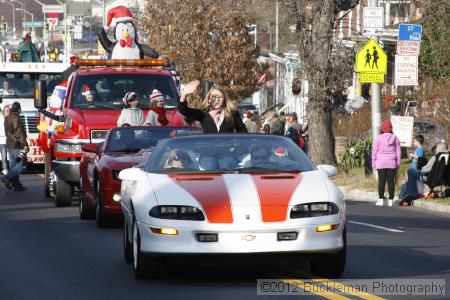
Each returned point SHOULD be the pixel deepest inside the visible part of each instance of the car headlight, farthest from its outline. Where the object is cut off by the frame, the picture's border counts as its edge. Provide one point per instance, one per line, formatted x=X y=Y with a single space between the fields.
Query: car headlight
x=68 y=148
x=316 y=209
x=177 y=212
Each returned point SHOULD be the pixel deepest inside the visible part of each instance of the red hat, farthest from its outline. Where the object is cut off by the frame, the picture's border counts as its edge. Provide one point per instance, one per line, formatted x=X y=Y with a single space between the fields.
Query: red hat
x=156 y=96
x=85 y=90
x=280 y=151
x=386 y=127
x=118 y=14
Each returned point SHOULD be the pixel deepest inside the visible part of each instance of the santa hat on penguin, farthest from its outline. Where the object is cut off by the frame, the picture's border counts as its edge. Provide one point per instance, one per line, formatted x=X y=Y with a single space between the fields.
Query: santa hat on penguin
x=118 y=14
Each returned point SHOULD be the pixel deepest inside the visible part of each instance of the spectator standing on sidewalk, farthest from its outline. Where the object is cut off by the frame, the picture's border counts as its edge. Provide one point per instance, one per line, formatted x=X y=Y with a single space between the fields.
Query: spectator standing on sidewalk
x=277 y=126
x=249 y=123
x=386 y=160
x=17 y=146
x=217 y=113
x=3 y=115
x=419 y=152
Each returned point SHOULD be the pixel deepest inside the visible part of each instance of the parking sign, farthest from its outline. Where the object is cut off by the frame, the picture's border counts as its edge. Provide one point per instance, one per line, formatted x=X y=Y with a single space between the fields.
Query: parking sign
x=409 y=37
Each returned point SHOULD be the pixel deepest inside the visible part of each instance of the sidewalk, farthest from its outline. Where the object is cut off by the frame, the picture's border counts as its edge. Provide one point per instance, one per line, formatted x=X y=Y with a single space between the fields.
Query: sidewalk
x=359 y=195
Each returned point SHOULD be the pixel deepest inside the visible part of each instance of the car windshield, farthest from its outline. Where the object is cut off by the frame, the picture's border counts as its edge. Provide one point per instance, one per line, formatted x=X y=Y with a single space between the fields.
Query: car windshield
x=133 y=139
x=106 y=91
x=21 y=85
x=228 y=153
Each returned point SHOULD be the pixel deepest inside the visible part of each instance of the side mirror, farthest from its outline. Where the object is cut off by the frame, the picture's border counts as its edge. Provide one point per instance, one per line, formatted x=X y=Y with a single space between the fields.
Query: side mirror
x=206 y=85
x=93 y=148
x=132 y=174
x=40 y=94
x=328 y=169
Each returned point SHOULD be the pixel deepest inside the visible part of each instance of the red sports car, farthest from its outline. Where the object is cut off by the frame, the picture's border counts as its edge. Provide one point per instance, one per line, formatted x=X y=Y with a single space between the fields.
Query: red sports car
x=124 y=147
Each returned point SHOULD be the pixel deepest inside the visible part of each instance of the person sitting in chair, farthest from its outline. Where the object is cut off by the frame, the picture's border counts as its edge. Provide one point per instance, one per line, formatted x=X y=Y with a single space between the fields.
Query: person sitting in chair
x=410 y=191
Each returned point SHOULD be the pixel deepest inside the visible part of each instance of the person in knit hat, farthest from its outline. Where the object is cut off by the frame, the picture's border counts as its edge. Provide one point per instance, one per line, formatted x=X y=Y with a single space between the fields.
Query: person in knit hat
x=131 y=115
x=386 y=160
x=157 y=114
x=88 y=93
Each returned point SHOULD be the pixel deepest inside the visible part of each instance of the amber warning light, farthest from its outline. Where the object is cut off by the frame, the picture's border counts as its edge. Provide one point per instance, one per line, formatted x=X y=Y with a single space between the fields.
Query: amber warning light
x=121 y=62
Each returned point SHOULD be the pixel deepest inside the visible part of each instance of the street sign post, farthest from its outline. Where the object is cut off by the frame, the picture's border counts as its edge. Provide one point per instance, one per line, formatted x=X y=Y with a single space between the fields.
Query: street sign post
x=409 y=37
x=406 y=70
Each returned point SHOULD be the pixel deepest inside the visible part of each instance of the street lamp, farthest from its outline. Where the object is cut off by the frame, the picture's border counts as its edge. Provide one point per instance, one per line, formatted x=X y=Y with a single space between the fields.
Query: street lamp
x=66 y=50
x=32 y=18
x=23 y=11
x=14 y=16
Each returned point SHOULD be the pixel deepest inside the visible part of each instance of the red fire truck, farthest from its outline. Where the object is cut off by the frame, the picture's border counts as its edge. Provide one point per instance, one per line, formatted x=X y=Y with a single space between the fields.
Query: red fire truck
x=83 y=122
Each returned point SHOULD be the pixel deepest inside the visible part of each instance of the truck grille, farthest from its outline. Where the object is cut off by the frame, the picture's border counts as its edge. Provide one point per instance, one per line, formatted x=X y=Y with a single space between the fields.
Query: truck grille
x=98 y=135
x=29 y=122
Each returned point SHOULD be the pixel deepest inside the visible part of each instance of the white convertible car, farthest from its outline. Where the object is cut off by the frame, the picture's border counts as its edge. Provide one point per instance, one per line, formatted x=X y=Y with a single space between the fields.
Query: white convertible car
x=232 y=194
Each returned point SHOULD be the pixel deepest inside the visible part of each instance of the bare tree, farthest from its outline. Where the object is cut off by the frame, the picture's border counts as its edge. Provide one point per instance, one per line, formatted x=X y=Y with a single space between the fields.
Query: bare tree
x=206 y=39
x=322 y=66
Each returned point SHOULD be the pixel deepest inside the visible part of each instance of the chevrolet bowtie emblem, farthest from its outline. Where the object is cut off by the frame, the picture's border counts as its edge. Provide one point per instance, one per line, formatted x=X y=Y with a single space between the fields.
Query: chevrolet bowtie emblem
x=248 y=237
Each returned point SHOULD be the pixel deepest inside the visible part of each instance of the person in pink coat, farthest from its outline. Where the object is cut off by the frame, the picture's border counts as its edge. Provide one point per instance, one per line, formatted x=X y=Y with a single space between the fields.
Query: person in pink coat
x=386 y=160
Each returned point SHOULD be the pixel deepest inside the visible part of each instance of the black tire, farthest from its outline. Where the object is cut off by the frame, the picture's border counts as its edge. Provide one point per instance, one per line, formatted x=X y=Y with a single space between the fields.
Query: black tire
x=101 y=219
x=141 y=263
x=87 y=211
x=63 y=194
x=330 y=265
x=127 y=245
x=47 y=176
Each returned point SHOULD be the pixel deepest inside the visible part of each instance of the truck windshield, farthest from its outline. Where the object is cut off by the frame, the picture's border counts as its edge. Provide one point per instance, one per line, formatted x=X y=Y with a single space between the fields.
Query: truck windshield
x=105 y=91
x=21 y=85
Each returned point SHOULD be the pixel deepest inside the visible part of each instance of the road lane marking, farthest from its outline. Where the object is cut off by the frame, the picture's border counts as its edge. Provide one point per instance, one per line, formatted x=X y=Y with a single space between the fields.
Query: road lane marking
x=348 y=289
x=327 y=295
x=376 y=226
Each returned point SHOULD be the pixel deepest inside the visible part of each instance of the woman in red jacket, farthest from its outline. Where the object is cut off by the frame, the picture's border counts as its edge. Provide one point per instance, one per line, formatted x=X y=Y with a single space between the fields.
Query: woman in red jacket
x=217 y=113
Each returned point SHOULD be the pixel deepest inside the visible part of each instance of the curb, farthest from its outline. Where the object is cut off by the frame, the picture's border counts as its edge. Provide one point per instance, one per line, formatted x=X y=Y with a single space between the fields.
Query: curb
x=364 y=196
x=432 y=206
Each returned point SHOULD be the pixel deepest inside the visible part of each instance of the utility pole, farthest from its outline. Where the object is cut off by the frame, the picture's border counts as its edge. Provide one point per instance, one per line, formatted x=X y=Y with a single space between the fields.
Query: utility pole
x=376 y=93
x=276 y=26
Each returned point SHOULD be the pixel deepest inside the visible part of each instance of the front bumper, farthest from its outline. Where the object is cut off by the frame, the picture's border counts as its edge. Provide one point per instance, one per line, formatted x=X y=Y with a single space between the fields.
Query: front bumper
x=109 y=205
x=67 y=170
x=242 y=241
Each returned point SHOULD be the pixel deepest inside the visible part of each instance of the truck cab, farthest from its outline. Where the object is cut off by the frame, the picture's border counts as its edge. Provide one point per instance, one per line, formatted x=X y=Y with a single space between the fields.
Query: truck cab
x=87 y=120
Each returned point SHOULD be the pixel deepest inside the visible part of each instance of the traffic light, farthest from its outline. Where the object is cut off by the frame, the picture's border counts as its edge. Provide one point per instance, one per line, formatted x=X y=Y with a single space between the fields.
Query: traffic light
x=47 y=26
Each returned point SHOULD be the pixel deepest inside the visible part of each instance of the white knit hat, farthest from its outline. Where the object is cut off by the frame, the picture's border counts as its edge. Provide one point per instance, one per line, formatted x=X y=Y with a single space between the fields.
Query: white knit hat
x=156 y=96
x=128 y=96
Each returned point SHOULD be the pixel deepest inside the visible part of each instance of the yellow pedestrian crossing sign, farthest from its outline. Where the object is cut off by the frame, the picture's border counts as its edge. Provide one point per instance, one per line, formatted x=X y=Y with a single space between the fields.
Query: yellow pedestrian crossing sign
x=371 y=59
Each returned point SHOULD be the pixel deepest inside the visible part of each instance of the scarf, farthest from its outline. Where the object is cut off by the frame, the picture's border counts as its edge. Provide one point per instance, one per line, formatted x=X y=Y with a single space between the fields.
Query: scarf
x=161 y=114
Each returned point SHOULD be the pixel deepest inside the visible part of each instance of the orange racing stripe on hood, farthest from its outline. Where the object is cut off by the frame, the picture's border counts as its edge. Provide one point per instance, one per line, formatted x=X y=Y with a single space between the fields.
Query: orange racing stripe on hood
x=212 y=194
x=275 y=192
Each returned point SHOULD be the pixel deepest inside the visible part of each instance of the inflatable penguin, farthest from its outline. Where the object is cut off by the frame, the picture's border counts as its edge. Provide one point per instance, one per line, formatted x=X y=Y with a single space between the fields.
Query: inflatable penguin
x=126 y=45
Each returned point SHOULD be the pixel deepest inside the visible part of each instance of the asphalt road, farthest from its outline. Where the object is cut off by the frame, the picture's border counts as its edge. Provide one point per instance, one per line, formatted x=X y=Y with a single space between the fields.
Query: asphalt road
x=48 y=252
